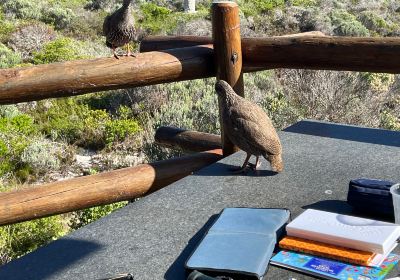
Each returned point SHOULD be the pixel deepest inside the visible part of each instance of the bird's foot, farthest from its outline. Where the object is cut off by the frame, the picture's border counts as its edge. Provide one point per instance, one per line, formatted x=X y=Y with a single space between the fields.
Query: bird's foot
x=254 y=166
x=116 y=56
x=131 y=54
x=239 y=170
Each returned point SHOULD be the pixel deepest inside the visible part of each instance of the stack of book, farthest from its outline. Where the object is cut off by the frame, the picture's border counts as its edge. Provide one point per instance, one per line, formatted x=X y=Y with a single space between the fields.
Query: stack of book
x=341 y=241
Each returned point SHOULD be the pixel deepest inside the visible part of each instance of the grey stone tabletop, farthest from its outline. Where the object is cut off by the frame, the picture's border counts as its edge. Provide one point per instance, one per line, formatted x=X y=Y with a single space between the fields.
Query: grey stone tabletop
x=153 y=237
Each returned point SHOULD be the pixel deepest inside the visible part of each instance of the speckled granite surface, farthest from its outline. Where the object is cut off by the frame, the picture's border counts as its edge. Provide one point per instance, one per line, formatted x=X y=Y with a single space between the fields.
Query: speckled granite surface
x=153 y=237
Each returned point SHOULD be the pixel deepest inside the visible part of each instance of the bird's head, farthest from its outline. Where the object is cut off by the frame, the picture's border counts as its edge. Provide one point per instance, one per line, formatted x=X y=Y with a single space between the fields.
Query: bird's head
x=126 y=3
x=223 y=88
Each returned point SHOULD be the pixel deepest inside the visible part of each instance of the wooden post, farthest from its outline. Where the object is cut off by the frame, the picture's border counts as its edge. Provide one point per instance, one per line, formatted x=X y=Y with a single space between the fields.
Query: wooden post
x=227 y=54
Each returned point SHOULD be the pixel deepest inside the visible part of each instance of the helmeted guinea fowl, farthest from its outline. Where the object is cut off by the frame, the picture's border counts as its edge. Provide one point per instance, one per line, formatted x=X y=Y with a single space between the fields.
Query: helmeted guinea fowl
x=119 y=28
x=249 y=128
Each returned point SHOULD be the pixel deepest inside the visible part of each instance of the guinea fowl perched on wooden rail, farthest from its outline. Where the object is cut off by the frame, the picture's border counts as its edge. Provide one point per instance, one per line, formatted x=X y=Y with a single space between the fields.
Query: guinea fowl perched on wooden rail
x=119 y=28
x=249 y=128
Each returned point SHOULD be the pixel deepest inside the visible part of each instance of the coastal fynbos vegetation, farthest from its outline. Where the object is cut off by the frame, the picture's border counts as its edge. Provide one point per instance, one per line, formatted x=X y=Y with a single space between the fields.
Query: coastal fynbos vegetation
x=54 y=139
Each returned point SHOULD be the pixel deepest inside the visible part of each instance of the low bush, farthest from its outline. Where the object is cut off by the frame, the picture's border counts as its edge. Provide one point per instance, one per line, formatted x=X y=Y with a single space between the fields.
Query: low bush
x=73 y=121
x=58 y=16
x=8 y=58
x=30 y=37
x=252 y=8
x=305 y=3
x=346 y=24
x=375 y=23
x=61 y=49
x=23 y=9
x=19 y=239
x=83 y=217
x=6 y=27
x=154 y=17
x=16 y=133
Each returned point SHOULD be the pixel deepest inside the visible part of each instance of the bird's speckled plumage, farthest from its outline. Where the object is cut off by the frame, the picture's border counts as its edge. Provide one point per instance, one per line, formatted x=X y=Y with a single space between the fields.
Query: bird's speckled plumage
x=249 y=127
x=119 y=27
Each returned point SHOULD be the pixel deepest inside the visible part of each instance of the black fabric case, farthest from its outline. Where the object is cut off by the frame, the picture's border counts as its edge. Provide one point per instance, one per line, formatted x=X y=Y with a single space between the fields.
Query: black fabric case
x=371 y=195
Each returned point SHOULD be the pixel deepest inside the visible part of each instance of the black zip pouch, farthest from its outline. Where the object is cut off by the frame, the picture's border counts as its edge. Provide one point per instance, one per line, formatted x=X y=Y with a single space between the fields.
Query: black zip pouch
x=371 y=196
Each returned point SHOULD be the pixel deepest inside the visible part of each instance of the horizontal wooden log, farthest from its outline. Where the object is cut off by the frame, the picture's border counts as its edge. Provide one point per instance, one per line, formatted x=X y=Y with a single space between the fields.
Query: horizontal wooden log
x=187 y=140
x=83 y=192
x=160 y=43
x=83 y=76
x=305 y=52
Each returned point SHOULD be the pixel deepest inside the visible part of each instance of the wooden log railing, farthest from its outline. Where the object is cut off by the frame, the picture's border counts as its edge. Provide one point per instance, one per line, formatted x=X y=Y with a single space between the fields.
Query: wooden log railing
x=308 y=51
x=84 y=76
x=160 y=43
x=100 y=189
x=187 y=140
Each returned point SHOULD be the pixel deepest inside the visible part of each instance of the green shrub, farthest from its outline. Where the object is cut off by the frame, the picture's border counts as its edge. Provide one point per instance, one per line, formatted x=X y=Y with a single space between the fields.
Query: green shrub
x=254 y=8
x=305 y=3
x=155 y=17
x=347 y=24
x=58 y=16
x=19 y=239
x=42 y=155
x=23 y=9
x=390 y=121
x=61 y=49
x=118 y=130
x=379 y=82
x=69 y=3
x=8 y=58
x=6 y=27
x=73 y=121
x=9 y=111
x=86 y=216
x=376 y=23
x=15 y=135
x=30 y=37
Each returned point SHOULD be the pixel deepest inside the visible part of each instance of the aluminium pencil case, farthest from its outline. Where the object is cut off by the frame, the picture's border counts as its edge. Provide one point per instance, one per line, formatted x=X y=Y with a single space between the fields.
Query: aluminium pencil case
x=371 y=195
x=240 y=243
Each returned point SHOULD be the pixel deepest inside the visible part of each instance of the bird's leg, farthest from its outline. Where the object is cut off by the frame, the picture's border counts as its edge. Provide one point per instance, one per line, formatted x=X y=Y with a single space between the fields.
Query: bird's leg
x=257 y=165
x=114 y=53
x=129 y=53
x=244 y=166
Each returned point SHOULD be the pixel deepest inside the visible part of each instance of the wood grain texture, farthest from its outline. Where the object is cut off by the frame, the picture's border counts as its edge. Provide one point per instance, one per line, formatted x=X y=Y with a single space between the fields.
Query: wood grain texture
x=187 y=140
x=304 y=51
x=227 y=55
x=159 y=43
x=83 y=76
x=100 y=189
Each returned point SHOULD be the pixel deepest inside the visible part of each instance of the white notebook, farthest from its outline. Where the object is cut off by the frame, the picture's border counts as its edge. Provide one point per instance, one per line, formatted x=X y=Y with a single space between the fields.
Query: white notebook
x=343 y=230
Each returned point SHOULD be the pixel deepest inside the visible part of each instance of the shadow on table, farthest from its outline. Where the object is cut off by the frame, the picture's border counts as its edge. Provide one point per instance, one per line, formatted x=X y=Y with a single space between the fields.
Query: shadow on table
x=342 y=207
x=223 y=169
x=177 y=270
x=48 y=260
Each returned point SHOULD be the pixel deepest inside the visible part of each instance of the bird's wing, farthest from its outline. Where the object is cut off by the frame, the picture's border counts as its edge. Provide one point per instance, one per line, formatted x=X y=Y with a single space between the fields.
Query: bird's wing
x=256 y=130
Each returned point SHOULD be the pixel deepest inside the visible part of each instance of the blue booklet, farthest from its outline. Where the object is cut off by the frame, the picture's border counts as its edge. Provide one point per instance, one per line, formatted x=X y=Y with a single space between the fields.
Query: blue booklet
x=331 y=269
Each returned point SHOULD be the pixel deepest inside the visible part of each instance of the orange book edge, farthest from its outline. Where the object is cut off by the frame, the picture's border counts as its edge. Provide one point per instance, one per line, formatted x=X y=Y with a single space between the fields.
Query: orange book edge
x=326 y=250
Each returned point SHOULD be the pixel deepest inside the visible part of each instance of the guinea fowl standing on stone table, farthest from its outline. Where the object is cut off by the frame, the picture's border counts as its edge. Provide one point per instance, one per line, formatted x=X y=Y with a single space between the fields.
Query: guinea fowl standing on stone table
x=119 y=28
x=249 y=128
